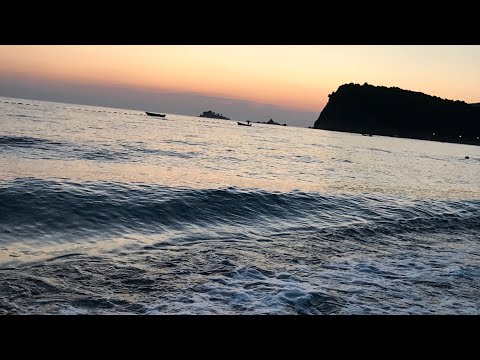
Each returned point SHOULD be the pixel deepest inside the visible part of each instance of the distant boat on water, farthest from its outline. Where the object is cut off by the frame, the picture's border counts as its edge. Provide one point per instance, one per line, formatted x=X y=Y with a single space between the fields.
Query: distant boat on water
x=154 y=114
x=213 y=115
x=271 y=122
x=243 y=124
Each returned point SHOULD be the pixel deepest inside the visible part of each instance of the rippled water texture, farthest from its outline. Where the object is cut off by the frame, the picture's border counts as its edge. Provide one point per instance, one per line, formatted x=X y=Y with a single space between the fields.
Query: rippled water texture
x=108 y=211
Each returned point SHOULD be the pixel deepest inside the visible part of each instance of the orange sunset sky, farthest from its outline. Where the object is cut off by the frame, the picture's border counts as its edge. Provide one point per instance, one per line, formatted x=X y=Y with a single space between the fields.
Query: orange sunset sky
x=293 y=78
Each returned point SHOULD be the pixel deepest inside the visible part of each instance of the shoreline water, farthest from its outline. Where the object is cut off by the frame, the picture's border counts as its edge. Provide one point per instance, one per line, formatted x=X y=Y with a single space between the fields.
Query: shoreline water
x=106 y=213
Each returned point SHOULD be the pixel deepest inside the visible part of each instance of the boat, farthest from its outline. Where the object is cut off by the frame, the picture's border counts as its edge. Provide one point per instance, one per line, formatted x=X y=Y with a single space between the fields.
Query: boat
x=271 y=122
x=240 y=123
x=154 y=114
x=213 y=115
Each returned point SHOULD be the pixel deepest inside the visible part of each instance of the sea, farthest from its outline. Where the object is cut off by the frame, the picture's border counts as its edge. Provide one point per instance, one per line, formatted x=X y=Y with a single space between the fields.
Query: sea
x=110 y=211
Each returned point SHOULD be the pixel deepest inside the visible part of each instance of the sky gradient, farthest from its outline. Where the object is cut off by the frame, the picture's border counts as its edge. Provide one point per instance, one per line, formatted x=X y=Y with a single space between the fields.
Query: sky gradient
x=287 y=83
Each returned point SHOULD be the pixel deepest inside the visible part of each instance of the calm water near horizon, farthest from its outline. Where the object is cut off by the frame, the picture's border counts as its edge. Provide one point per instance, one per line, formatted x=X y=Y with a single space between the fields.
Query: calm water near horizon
x=109 y=211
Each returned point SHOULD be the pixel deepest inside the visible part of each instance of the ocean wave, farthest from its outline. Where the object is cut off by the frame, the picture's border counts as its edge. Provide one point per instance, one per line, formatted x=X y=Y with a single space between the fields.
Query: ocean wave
x=26 y=142
x=313 y=277
x=23 y=116
x=63 y=150
x=33 y=207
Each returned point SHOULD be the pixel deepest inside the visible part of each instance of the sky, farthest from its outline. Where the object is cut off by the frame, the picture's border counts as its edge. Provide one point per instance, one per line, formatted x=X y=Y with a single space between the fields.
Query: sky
x=288 y=83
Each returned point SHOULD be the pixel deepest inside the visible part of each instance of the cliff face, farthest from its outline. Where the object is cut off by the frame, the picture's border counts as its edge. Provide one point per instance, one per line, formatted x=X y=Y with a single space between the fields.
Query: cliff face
x=386 y=111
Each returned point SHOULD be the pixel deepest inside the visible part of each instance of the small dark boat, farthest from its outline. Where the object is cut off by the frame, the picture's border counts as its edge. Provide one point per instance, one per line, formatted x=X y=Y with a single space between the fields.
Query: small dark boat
x=213 y=115
x=154 y=114
x=239 y=123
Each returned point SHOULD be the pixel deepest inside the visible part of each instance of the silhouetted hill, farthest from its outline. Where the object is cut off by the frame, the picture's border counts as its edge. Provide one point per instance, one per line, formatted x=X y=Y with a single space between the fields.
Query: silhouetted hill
x=392 y=111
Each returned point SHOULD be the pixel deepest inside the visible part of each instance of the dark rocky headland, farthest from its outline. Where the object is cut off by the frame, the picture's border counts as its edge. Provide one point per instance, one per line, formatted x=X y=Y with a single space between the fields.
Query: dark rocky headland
x=379 y=110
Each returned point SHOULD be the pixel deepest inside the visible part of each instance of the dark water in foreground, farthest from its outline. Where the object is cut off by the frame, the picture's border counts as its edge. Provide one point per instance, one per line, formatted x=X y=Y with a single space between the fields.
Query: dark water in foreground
x=109 y=211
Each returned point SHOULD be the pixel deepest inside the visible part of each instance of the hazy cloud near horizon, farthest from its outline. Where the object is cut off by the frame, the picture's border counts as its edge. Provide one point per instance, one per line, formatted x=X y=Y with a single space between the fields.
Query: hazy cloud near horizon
x=182 y=103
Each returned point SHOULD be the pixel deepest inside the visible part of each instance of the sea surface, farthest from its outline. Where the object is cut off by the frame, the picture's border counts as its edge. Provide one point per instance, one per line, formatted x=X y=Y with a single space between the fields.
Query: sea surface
x=109 y=211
